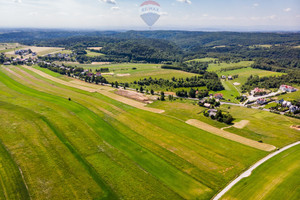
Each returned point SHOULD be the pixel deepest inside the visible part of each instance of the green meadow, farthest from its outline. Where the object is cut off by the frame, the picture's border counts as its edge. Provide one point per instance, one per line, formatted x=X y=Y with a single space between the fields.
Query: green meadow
x=265 y=126
x=93 y=147
x=277 y=179
x=217 y=67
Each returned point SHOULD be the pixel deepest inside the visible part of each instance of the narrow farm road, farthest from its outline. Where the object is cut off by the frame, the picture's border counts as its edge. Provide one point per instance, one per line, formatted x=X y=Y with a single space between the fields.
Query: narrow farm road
x=251 y=169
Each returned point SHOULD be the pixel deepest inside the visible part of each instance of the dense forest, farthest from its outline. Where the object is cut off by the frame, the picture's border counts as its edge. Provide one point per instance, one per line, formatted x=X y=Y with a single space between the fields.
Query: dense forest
x=162 y=46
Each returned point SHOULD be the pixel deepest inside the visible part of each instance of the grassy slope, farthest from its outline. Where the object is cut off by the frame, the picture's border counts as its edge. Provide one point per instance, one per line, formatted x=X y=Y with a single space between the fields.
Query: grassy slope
x=130 y=148
x=278 y=178
x=12 y=185
x=268 y=127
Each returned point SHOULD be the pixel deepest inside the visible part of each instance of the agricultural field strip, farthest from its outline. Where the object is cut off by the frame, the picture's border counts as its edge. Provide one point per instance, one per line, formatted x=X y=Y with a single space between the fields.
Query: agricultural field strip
x=79 y=85
x=251 y=169
x=161 y=138
x=29 y=78
x=139 y=105
x=230 y=136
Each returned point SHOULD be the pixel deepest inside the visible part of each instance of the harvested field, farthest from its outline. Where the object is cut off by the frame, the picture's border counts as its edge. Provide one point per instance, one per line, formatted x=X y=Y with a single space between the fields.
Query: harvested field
x=230 y=136
x=95 y=48
x=241 y=124
x=134 y=95
x=100 y=63
x=122 y=75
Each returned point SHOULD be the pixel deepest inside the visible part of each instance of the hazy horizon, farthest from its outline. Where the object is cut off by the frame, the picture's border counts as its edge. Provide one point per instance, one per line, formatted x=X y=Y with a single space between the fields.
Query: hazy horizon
x=189 y=15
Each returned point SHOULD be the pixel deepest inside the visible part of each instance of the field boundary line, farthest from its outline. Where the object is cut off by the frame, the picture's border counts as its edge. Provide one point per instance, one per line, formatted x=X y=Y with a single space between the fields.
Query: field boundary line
x=230 y=136
x=248 y=172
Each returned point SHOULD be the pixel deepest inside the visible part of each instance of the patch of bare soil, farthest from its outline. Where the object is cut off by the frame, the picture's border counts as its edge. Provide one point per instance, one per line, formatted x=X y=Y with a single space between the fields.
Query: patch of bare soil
x=230 y=136
x=122 y=75
x=100 y=63
x=134 y=95
x=241 y=124
x=297 y=127
x=95 y=48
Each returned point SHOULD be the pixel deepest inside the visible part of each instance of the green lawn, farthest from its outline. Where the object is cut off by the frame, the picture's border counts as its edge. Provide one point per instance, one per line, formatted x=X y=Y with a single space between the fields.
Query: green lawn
x=277 y=179
x=93 y=147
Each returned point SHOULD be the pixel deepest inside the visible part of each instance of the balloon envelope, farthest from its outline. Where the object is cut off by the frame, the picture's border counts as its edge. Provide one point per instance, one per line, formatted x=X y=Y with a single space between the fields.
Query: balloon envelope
x=150 y=12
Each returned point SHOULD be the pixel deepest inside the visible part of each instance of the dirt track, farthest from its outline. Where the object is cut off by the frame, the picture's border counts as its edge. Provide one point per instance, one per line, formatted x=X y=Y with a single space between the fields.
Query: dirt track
x=94 y=88
x=230 y=136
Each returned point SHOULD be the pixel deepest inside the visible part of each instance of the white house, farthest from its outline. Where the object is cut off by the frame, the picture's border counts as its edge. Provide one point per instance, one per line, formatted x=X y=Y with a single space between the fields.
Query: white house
x=287 y=88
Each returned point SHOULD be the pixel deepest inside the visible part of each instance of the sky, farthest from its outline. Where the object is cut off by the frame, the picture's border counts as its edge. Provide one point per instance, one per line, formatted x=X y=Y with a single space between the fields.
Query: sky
x=245 y=15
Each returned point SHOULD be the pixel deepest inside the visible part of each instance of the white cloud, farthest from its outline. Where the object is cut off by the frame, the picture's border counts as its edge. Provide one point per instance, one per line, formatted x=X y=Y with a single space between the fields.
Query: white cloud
x=17 y=1
x=256 y=5
x=109 y=1
x=205 y=15
x=271 y=17
x=115 y=8
x=287 y=10
x=185 y=1
x=164 y=13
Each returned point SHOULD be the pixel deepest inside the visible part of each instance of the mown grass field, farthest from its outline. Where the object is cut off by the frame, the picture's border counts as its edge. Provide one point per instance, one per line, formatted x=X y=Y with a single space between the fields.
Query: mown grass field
x=93 y=147
x=270 y=128
x=203 y=60
x=216 y=67
x=93 y=54
x=277 y=179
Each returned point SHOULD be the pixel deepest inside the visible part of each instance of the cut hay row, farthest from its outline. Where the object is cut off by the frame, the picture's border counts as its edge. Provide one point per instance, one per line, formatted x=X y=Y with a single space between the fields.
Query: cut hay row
x=230 y=136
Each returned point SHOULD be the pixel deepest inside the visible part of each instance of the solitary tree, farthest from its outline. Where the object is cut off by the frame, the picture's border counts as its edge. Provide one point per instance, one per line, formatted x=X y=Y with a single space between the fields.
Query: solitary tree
x=162 y=96
x=152 y=92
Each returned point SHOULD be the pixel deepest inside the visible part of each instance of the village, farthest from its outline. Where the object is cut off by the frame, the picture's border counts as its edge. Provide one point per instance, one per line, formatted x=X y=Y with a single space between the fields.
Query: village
x=258 y=98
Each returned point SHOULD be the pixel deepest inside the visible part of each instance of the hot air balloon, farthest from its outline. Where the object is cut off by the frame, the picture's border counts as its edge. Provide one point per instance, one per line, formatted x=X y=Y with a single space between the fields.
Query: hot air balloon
x=150 y=12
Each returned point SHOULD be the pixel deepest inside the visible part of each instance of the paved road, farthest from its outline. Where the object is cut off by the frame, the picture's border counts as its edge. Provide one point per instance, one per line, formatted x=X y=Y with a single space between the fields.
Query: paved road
x=250 y=170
